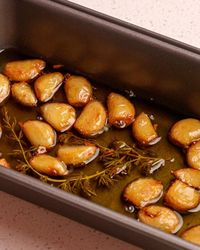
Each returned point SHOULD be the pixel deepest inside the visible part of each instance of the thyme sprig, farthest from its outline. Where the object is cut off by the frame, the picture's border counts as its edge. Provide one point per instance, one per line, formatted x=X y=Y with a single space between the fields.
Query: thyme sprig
x=117 y=160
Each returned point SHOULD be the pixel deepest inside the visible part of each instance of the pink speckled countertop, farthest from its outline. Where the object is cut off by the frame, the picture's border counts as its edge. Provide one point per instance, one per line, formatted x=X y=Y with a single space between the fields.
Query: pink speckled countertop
x=24 y=226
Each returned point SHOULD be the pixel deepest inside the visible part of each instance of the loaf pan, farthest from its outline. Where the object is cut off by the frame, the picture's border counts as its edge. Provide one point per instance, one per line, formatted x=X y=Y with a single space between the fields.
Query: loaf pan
x=114 y=53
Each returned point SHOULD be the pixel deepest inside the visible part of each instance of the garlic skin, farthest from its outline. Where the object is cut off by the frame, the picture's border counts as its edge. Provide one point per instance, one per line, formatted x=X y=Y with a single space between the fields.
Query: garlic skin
x=144 y=131
x=23 y=94
x=185 y=132
x=92 y=119
x=161 y=217
x=78 y=91
x=121 y=111
x=4 y=88
x=143 y=191
x=47 y=85
x=23 y=70
x=60 y=116
x=39 y=133
x=77 y=155
x=46 y=164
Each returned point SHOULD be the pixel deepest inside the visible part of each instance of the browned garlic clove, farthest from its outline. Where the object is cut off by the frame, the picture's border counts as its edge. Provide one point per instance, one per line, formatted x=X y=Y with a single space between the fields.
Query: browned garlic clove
x=78 y=91
x=121 y=111
x=182 y=197
x=189 y=176
x=143 y=191
x=60 y=116
x=161 y=217
x=4 y=163
x=193 y=156
x=4 y=88
x=46 y=164
x=77 y=155
x=144 y=131
x=23 y=93
x=39 y=133
x=23 y=70
x=47 y=85
x=92 y=119
x=192 y=234
x=185 y=132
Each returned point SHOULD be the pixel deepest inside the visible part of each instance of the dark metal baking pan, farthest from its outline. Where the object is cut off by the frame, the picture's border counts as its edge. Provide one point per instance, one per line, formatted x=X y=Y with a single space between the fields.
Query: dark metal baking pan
x=113 y=53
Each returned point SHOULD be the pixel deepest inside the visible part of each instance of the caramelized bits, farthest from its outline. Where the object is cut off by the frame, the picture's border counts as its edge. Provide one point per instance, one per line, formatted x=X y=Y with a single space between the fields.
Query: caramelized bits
x=23 y=70
x=92 y=119
x=4 y=88
x=60 y=116
x=4 y=163
x=161 y=217
x=78 y=91
x=46 y=164
x=121 y=111
x=143 y=191
x=47 y=85
x=185 y=132
x=39 y=133
x=77 y=155
x=192 y=234
x=182 y=197
x=144 y=131
x=23 y=93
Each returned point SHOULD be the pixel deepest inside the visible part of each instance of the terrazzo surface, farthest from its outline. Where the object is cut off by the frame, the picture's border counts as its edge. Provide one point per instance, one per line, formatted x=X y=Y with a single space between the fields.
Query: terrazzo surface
x=24 y=226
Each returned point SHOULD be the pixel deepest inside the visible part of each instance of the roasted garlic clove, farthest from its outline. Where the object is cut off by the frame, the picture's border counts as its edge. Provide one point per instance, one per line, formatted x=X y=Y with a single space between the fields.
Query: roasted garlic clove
x=47 y=85
x=92 y=119
x=60 y=116
x=143 y=191
x=192 y=234
x=23 y=93
x=77 y=155
x=46 y=164
x=193 y=156
x=78 y=91
x=39 y=133
x=144 y=131
x=121 y=111
x=184 y=132
x=189 y=176
x=4 y=88
x=4 y=163
x=182 y=197
x=23 y=70
x=161 y=217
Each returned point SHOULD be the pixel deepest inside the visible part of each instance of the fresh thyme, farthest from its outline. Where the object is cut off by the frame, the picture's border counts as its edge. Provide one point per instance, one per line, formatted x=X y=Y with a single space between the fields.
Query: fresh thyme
x=117 y=160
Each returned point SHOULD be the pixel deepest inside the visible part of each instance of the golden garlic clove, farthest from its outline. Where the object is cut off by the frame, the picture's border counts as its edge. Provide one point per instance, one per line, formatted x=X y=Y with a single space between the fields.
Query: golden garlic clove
x=39 y=133
x=161 y=217
x=184 y=132
x=24 y=70
x=78 y=91
x=193 y=156
x=47 y=85
x=4 y=163
x=192 y=234
x=60 y=116
x=189 y=176
x=92 y=119
x=182 y=197
x=77 y=155
x=143 y=191
x=4 y=88
x=46 y=164
x=144 y=131
x=23 y=93
x=121 y=111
